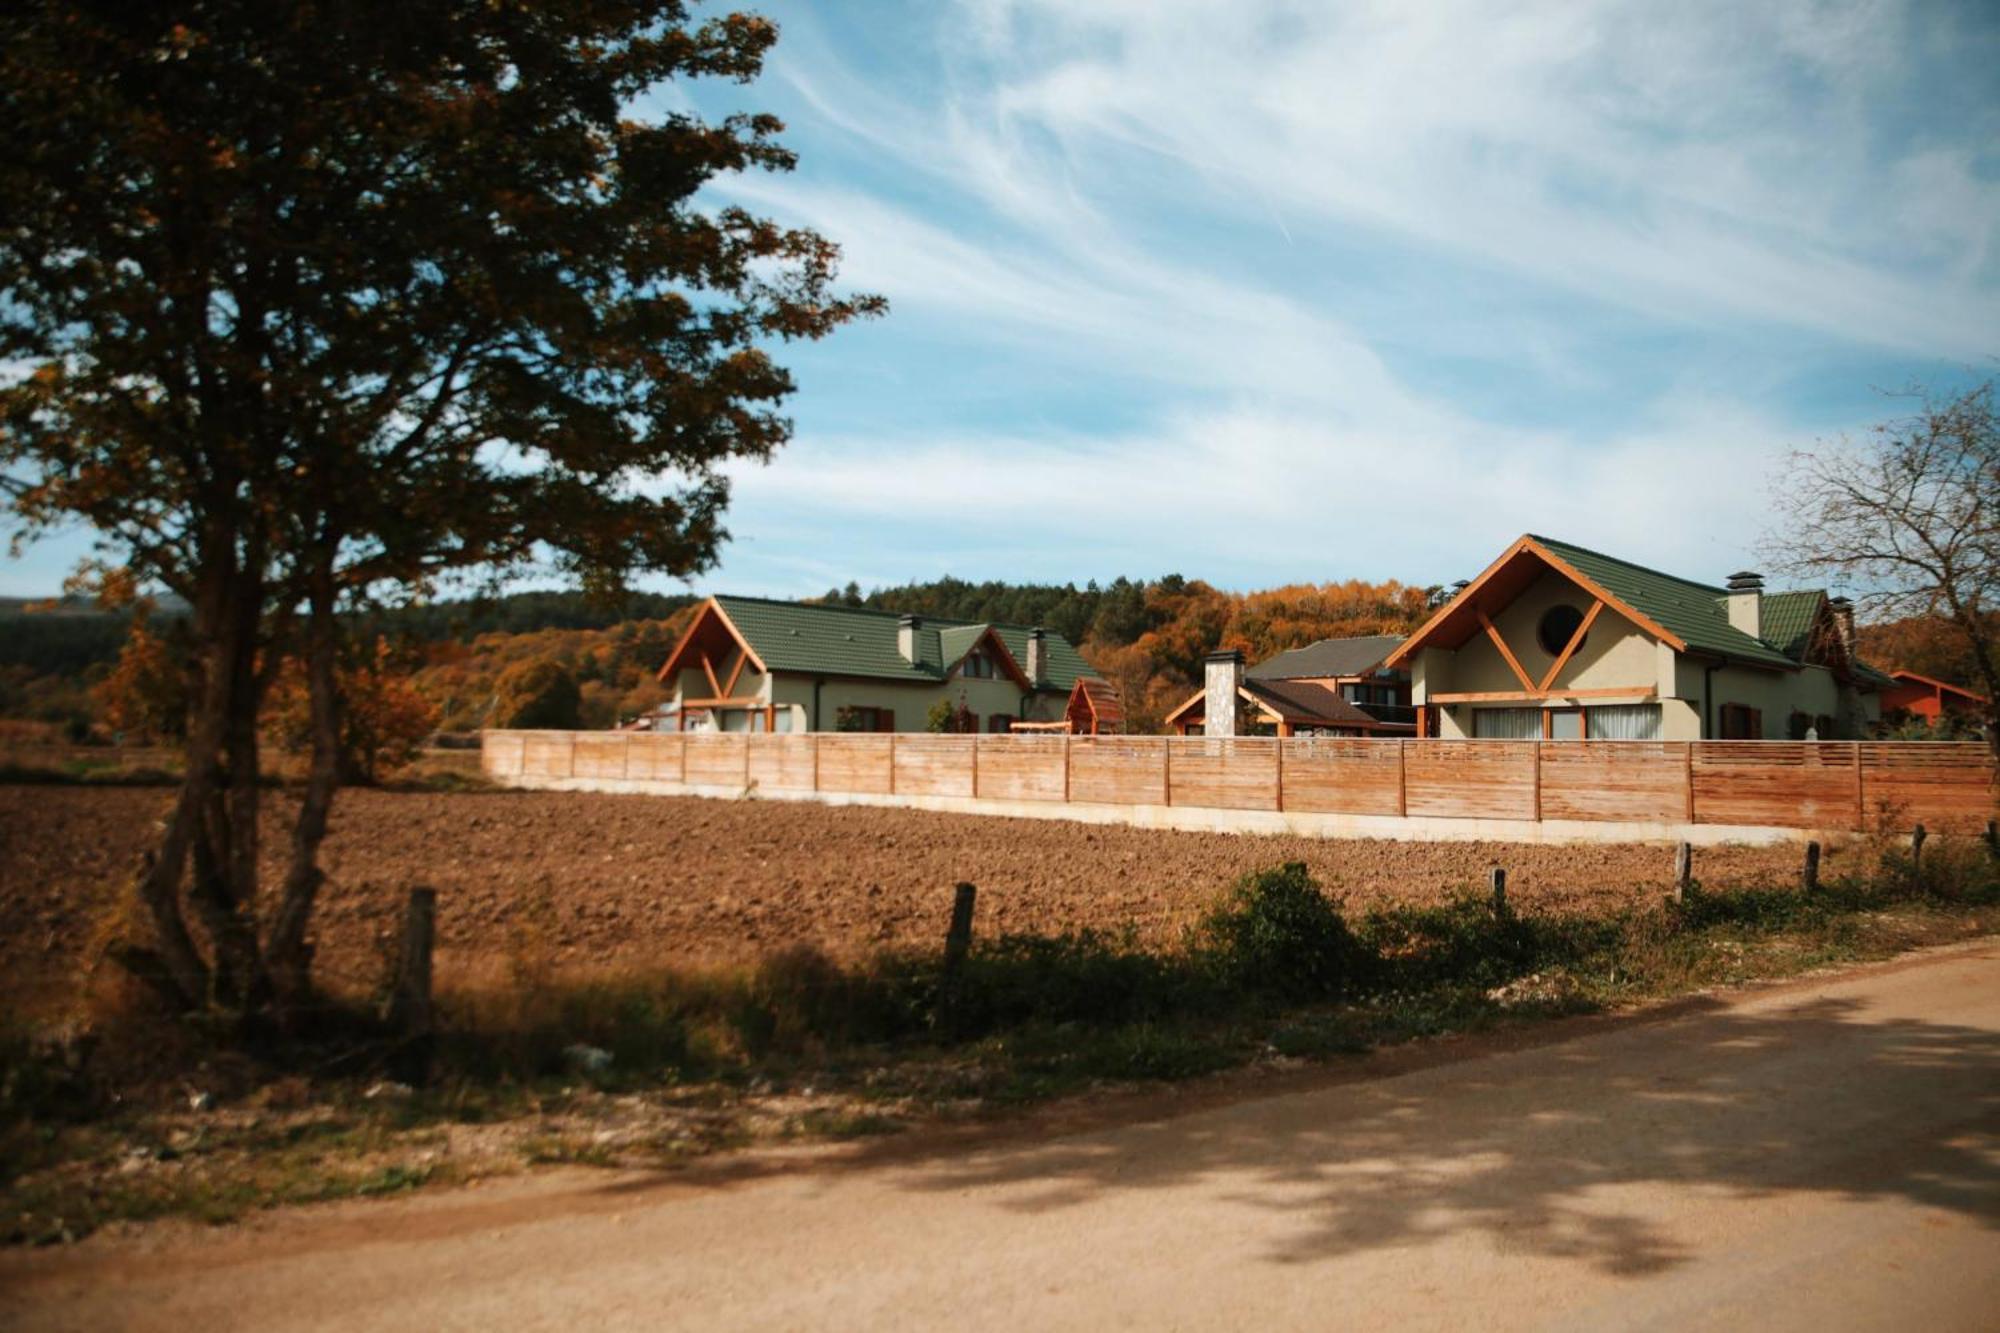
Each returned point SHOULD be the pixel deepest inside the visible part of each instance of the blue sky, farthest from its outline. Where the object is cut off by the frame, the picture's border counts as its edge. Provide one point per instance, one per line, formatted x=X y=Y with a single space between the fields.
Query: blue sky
x=1278 y=292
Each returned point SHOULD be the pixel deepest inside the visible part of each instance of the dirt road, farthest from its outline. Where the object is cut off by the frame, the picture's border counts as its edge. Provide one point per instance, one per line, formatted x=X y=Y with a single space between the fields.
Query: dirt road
x=1825 y=1155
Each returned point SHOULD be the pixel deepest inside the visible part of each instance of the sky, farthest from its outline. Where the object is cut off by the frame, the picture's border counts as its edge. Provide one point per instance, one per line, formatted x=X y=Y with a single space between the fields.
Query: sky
x=1274 y=292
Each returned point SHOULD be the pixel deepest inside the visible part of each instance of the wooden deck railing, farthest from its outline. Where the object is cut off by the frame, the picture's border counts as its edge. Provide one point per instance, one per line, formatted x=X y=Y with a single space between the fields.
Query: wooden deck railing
x=1948 y=787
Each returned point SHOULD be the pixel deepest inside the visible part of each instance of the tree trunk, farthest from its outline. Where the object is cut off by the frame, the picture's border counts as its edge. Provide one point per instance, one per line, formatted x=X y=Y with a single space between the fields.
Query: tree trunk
x=291 y=965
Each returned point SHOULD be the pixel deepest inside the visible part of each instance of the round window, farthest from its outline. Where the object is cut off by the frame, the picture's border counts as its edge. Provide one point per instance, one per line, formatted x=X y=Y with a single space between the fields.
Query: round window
x=1558 y=623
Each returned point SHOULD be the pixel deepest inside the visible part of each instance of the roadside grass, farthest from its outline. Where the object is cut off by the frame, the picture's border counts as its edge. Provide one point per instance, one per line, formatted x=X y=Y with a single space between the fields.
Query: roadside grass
x=656 y=1067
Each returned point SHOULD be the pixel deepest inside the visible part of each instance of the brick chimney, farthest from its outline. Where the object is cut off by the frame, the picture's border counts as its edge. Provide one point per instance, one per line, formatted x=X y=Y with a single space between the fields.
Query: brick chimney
x=1224 y=672
x=1746 y=602
x=1038 y=656
x=906 y=636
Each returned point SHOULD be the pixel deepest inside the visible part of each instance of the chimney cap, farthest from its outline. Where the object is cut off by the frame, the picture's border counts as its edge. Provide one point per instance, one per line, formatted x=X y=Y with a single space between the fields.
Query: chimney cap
x=909 y=619
x=1038 y=633
x=1841 y=603
x=1226 y=655
x=1745 y=580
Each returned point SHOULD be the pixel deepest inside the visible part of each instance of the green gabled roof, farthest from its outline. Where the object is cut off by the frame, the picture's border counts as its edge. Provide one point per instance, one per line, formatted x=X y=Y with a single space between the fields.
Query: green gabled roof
x=1788 y=619
x=815 y=639
x=1696 y=613
x=955 y=641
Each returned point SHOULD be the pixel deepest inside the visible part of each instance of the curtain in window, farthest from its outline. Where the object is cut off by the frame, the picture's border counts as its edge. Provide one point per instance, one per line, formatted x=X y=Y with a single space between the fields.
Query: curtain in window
x=1507 y=724
x=1623 y=722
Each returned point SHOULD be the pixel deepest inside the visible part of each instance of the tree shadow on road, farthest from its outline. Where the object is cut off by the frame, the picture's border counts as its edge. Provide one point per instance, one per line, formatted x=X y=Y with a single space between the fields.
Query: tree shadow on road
x=1552 y=1152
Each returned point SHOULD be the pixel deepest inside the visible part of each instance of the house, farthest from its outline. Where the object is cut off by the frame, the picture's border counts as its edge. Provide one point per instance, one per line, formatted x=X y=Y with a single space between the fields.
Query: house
x=1915 y=696
x=749 y=664
x=1554 y=640
x=1335 y=687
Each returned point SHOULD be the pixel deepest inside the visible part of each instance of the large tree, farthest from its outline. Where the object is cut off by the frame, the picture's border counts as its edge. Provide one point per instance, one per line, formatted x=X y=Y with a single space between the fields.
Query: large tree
x=1908 y=519
x=319 y=301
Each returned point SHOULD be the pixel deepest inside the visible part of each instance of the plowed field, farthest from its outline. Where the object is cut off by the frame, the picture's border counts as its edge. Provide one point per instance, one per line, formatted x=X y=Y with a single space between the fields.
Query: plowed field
x=603 y=878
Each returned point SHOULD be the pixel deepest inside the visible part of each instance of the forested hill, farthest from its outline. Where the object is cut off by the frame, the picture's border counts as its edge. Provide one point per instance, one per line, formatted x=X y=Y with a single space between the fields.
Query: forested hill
x=1114 y=612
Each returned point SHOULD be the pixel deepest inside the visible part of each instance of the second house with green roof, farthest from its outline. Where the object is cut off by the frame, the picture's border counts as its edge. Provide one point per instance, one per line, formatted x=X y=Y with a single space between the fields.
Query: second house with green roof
x=1558 y=642
x=747 y=664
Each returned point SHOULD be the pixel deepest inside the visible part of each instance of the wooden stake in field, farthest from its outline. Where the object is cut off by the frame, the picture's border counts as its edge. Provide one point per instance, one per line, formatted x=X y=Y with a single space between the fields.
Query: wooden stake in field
x=1917 y=836
x=1993 y=837
x=1683 y=870
x=1809 y=872
x=1499 y=891
x=410 y=1011
x=957 y=944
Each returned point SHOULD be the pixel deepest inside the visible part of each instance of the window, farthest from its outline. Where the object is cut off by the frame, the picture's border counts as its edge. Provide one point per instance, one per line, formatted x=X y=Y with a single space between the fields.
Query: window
x=1507 y=724
x=1740 y=722
x=1623 y=722
x=864 y=718
x=977 y=665
x=1557 y=624
x=1000 y=724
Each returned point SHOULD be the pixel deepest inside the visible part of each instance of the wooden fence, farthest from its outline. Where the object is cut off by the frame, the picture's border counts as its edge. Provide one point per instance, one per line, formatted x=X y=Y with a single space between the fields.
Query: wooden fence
x=1948 y=787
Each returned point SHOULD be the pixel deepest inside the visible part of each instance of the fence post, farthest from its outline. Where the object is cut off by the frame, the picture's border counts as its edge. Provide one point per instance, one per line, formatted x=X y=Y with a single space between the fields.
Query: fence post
x=1683 y=870
x=957 y=944
x=410 y=1012
x=1066 y=741
x=1917 y=836
x=1687 y=778
x=892 y=763
x=1402 y=779
x=1809 y=872
x=814 y=737
x=1167 y=768
x=1860 y=803
x=747 y=737
x=975 y=768
x=1279 y=798
x=571 y=771
x=1992 y=838
x=1538 y=780
x=1499 y=880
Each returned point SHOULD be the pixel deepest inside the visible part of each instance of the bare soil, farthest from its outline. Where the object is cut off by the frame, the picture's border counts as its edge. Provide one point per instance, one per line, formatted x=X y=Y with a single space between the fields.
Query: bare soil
x=630 y=879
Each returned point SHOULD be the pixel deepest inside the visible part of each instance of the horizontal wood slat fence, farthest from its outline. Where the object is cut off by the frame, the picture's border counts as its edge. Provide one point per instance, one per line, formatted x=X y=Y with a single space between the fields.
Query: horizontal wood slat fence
x=1948 y=787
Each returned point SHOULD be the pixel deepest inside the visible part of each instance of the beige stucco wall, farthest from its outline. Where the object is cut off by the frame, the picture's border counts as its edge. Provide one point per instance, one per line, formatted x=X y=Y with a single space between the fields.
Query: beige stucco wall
x=912 y=702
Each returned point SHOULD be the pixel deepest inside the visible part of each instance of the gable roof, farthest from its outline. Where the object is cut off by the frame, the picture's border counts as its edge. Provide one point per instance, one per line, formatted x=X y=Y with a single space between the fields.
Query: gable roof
x=1328 y=657
x=1695 y=613
x=1300 y=703
x=1787 y=620
x=1688 y=616
x=809 y=638
x=1902 y=677
x=1100 y=700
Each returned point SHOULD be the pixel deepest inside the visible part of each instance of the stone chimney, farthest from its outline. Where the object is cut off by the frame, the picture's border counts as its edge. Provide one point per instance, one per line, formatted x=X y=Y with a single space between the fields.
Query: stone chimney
x=1852 y=720
x=1038 y=656
x=1843 y=625
x=906 y=636
x=1224 y=678
x=1746 y=602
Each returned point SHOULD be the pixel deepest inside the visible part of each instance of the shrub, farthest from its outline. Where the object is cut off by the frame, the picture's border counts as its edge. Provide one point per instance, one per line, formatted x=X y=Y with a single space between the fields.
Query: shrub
x=1084 y=977
x=1276 y=933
